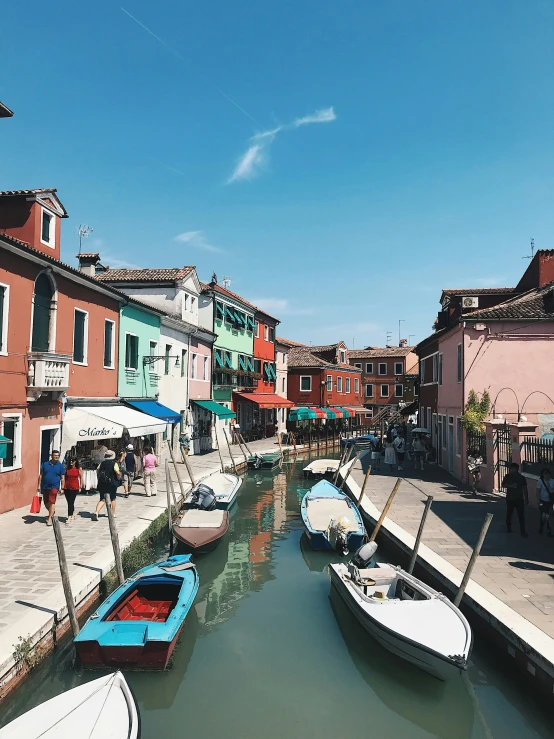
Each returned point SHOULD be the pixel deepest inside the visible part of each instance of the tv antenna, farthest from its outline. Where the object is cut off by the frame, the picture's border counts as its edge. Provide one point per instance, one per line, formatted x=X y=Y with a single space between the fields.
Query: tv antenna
x=532 y=250
x=84 y=232
x=226 y=282
x=389 y=337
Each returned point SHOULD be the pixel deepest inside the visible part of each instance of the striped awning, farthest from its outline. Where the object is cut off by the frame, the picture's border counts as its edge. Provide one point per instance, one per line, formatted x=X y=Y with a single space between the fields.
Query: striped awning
x=343 y=412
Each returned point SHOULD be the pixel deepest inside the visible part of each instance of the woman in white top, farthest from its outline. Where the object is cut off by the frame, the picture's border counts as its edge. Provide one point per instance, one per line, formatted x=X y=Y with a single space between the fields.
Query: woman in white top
x=545 y=497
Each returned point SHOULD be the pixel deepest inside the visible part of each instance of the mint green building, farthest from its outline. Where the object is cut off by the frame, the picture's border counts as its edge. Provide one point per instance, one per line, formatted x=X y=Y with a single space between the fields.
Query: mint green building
x=139 y=337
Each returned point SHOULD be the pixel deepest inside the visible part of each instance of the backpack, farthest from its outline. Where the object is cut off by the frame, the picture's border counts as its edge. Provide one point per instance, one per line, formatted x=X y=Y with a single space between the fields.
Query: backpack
x=106 y=472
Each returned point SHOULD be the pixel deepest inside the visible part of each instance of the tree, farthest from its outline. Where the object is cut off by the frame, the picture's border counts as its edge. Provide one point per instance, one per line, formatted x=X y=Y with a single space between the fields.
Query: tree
x=476 y=411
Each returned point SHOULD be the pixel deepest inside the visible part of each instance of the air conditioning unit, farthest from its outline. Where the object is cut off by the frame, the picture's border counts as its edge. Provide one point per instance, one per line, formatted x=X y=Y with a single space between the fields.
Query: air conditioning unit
x=470 y=302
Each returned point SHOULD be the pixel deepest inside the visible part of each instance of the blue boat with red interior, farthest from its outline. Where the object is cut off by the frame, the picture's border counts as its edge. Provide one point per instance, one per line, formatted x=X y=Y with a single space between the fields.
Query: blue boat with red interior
x=138 y=625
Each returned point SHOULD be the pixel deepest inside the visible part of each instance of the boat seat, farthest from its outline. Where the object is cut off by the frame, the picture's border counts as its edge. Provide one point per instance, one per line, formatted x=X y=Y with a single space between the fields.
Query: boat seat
x=379 y=575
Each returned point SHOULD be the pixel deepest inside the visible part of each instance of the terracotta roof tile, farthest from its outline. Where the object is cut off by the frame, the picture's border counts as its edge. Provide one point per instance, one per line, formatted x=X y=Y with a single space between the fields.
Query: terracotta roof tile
x=36 y=191
x=302 y=356
x=388 y=351
x=144 y=275
x=287 y=342
x=478 y=290
x=536 y=304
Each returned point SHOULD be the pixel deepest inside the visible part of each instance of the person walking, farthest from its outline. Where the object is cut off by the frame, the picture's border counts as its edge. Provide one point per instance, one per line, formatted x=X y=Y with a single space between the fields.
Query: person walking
x=390 y=454
x=545 y=497
x=517 y=497
x=108 y=482
x=73 y=482
x=149 y=464
x=419 y=450
x=400 y=448
x=131 y=469
x=50 y=482
x=474 y=462
x=376 y=454
x=184 y=443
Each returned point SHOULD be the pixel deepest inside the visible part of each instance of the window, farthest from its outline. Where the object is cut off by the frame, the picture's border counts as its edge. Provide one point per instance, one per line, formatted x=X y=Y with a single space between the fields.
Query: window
x=47 y=229
x=416 y=390
x=358 y=365
x=347 y=385
x=131 y=351
x=440 y=369
x=153 y=352
x=166 y=358
x=384 y=391
x=266 y=333
x=398 y=368
x=193 y=366
x=219 y=311
x=382 y=368
x=44 y=327
x=283 y=385
x=192 y=303
x=183 y=362
x=187 y=302
x=271 y=333
x=369 y=391
x=10 y=426
x=4 y=307
x=422 y=371
x=339 y=384
x=205 y=372
x=80 y=331
x=459 y=363
x=369 y=413
x=258 y=366
x=109 y=343
x=435 y=367
x=305 y=383
x=369 y=368
x=398 y=391
x=329 y=383
x=342 y=356
x=257 y=329
x=356 y=385
x=459 y=436
x=444 y=431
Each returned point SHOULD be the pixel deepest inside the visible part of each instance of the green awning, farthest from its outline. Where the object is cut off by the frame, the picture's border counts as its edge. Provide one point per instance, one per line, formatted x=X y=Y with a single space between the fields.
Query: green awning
x=218 y=360
x=213 y=407
x=251 y=323
x=242 y=365
x=228 y=361
x=250 y=364
x=239 y=317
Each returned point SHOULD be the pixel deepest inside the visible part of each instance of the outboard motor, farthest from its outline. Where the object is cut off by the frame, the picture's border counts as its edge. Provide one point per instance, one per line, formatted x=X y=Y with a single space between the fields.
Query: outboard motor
x=258 y=462
x=364 y=559
x=203 y=497
x=338 y=534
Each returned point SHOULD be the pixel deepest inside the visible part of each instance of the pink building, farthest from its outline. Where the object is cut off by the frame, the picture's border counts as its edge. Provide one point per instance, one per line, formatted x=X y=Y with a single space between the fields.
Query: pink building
x=506 y=349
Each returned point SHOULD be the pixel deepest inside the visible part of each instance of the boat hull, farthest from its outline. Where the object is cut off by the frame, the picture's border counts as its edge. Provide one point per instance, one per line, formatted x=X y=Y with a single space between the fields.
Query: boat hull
x=319 y=541
x=150 y=656
x=426 y=660
x=269 y=461
x=200 y=540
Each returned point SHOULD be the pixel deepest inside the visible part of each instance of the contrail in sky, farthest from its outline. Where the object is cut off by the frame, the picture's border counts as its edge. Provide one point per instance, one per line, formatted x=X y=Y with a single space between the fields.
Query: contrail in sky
x=203 y=76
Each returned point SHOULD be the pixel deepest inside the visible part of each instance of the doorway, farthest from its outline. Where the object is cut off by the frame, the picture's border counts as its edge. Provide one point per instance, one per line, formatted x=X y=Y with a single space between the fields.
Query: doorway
x=42 y=314
x=451 y=444
x=48 y=441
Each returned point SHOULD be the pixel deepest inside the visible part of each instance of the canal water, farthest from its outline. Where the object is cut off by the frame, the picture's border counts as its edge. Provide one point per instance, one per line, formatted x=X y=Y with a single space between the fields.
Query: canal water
x=269 y=652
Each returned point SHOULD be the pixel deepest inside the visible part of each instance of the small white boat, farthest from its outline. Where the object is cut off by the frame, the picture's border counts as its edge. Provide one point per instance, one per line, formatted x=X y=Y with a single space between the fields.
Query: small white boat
x=407 y=617
x=224 y=488
x=321 y=467
x=101 y=709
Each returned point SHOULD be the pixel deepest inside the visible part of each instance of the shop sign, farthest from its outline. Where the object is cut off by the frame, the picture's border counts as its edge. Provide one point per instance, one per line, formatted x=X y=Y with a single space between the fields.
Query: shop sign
x=104 y=432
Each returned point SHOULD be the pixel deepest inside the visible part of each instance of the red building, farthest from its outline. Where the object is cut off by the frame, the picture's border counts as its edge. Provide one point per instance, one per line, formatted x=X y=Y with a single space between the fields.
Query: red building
x=321 y=377
x=58 y=336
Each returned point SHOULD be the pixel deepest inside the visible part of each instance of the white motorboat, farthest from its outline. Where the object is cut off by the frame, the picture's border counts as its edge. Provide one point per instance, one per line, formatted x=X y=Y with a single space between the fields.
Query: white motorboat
x=224 y=487
x=101 y=709
x=321 y=467
x=406 y=617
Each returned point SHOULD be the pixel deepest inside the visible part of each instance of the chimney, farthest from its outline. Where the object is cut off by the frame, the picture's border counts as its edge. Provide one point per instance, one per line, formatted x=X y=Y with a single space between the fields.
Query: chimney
x=88 y=262
x=402 y=343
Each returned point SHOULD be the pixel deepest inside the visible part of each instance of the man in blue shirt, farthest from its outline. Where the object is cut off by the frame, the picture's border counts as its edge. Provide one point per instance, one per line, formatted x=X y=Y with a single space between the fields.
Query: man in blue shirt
x=50 y=480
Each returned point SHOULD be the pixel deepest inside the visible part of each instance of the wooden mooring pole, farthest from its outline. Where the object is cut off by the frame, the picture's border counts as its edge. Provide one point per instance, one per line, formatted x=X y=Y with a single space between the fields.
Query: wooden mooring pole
x=181 y=487
x=189 y=472
x=115 y=540
x=169 y=514
x=65 y=576
x=245 y=444
x=413 y=558
x=342 y=457
x=366 y=478
x=473 y=559
x=349 y=470
x=385 y=510
x=230 y=452
x=219 y=451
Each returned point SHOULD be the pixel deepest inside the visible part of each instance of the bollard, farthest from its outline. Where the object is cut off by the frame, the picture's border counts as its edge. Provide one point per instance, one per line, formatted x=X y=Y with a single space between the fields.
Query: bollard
x=419 y=533
x=65 y=576
x=385 y=510
x=115 y=540
x=473 y=559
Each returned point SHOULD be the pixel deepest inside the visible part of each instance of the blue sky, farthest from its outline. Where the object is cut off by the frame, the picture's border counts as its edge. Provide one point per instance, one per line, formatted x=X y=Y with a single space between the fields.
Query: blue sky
x=340 y=162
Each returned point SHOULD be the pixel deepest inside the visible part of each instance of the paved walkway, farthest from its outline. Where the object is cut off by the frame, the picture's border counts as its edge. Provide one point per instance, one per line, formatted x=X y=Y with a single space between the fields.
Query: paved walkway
x=518 y=571
x=30 y=586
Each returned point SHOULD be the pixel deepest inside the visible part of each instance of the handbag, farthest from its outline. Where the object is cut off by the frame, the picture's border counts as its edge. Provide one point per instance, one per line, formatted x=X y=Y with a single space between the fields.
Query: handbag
x=36 y=503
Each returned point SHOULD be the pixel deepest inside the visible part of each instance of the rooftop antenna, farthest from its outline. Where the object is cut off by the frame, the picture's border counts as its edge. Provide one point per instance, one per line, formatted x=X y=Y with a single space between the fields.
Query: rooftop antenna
x=400 y=320
x=226 y=282
x=409 y=339
x=389 y=337
x=353 y=341
x=84 y=232
x=532 y=250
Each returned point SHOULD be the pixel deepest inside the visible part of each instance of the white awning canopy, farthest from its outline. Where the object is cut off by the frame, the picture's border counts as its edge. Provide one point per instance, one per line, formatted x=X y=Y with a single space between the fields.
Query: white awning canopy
x=106 y=422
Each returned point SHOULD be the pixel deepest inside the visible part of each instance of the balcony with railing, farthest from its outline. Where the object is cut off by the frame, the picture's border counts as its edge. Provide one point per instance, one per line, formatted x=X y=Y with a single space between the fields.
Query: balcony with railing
x=47 y=372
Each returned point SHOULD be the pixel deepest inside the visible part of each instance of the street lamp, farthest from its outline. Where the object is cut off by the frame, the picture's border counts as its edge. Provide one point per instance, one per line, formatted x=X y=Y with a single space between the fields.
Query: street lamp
x=149 y=359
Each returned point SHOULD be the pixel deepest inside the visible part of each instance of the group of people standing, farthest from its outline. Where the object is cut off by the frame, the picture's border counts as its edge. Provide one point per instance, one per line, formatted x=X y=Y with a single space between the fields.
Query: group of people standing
x=400 y=441
x=113 y=471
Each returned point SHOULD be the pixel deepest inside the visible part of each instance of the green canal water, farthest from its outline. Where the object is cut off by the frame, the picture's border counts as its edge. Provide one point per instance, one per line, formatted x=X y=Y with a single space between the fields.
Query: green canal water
x=269 y=652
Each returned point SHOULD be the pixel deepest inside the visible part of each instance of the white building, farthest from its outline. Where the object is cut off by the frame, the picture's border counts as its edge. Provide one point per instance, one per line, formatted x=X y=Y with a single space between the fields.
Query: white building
x=281 y=370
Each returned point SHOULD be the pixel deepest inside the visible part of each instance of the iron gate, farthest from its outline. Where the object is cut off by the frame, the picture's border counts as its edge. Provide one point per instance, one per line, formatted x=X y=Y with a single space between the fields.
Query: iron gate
x=503 y=448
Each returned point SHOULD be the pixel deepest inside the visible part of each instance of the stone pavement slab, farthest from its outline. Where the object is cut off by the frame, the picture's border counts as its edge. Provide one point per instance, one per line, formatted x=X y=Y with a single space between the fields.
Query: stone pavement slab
x=518 y=571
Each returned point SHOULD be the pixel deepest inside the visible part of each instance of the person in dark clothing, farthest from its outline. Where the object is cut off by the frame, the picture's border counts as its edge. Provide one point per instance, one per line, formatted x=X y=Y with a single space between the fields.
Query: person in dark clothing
x=517 y=497
x=130 y=464
x=73 y=483
x=108 y=482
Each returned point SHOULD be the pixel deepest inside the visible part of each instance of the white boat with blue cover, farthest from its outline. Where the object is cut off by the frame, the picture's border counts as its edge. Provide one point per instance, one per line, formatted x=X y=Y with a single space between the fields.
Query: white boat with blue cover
x=100 y=709
x=331 y=520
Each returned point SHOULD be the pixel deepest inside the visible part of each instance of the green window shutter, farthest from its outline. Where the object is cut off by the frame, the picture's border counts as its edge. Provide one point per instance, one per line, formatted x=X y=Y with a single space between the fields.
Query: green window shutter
x=218 y=359
x=79 y=336
x=228 y=361
x=219 y=310
x=229 y=313
x=250 y=364
x=9 y=432
x=251 y=323
x=239 y=317
x=242 y=365
x=273 y=373
x=108 y=341
x=267 y=372
x=135 y=352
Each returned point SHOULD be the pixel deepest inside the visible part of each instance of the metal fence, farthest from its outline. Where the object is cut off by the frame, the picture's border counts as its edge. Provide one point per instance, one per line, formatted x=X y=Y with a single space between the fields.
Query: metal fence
x=478 y=440
x=537 y=454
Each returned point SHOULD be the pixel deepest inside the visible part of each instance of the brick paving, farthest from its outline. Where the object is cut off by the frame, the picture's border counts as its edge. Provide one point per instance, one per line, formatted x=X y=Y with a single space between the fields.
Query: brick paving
x=518 y=571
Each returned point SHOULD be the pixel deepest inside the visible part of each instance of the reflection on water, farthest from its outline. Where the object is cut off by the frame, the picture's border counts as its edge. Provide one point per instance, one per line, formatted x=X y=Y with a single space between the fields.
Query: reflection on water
x=269 y=650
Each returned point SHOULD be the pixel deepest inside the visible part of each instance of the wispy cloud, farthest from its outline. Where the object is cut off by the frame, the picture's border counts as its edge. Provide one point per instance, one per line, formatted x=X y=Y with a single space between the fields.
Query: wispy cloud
x=251 y=163
x=325 y=115
x=197 y=240
x=280 y=306
x=116 y=263
x=489 y=281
